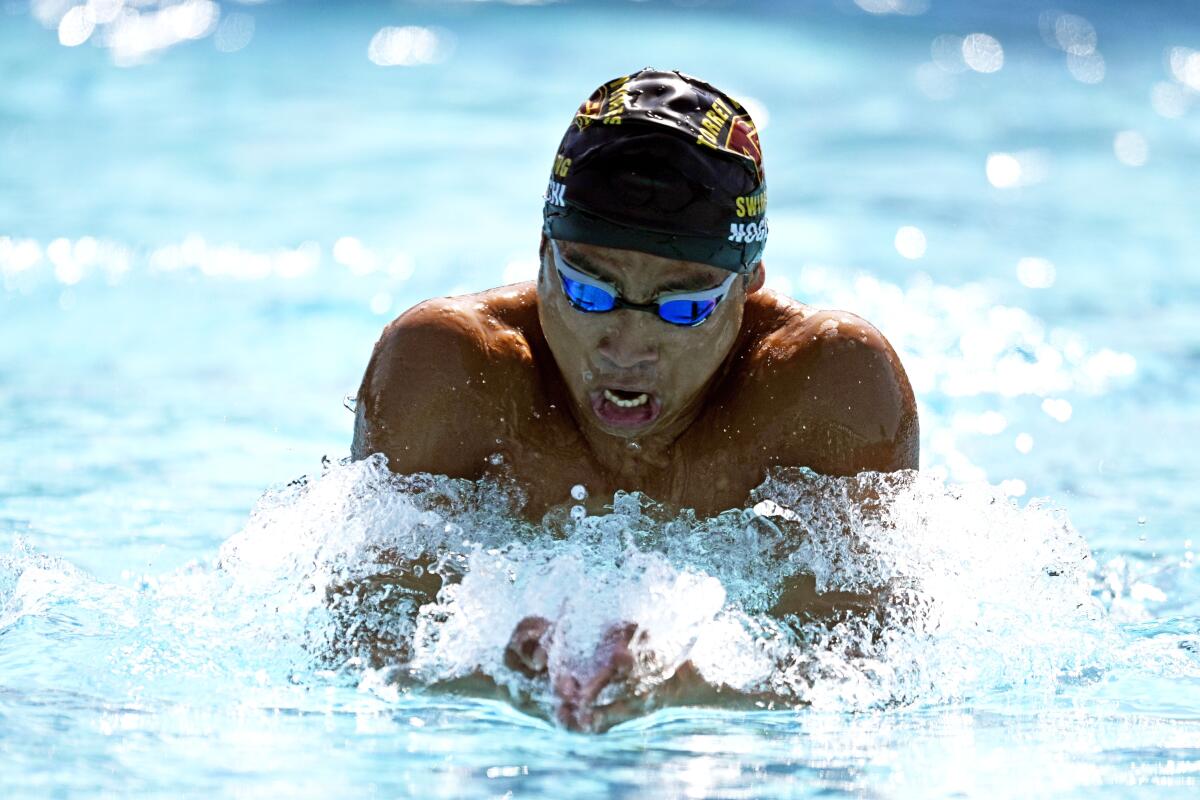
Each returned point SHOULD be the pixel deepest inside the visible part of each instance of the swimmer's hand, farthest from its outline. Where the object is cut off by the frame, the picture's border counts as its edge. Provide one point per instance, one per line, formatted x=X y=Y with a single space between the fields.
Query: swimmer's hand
x=613 y=664
x=527 y=648
x=576 y=690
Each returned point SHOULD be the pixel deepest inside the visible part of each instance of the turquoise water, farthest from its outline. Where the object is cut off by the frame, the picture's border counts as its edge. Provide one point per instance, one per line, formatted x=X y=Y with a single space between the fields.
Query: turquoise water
x=201 y=238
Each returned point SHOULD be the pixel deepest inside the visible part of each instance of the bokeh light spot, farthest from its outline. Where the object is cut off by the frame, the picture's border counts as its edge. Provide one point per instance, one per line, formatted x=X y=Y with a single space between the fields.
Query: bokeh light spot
x=407 y=46
x=1057 y=408
x=910 y=242
x=947 y=52
x=381 y=303
x=1170 y=100
x=102 y=12
x=1131 y=148
x=75 y=27
x=1036 y=273
x=1003 y=170
x=983 y=53
x=1087 y=68
x=352 y=254
x=1184 y=64
x=910 y=8
x=234 y=33
x=1074 y=34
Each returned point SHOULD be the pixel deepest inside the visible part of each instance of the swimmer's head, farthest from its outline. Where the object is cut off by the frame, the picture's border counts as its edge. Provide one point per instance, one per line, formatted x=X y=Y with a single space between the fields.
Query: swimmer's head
x=654 y=230
x=665 y=164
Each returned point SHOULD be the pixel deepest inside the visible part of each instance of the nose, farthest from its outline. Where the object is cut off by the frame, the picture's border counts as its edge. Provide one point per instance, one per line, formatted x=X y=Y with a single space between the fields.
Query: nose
x=627 y=344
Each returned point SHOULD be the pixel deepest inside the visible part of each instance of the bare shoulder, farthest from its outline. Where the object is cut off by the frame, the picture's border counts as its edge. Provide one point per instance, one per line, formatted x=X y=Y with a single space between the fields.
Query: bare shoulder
x=435 y=390
x=836 y=397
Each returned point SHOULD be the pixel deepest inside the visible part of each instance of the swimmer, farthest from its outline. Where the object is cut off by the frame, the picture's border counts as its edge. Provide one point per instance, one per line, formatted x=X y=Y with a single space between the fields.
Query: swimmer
x=647 y=355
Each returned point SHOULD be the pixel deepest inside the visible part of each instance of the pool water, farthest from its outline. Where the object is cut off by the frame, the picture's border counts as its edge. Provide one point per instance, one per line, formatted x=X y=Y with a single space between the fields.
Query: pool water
x=208 y=212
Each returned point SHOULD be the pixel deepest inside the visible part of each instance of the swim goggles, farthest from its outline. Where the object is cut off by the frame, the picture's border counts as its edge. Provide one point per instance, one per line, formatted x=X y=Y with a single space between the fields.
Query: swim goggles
x=594 y=296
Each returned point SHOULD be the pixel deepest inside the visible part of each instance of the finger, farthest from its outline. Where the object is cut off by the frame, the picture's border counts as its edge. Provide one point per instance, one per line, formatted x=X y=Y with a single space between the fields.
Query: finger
x=526 y=650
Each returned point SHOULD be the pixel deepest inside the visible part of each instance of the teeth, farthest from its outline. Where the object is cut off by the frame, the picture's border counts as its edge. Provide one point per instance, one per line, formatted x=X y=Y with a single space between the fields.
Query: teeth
x=641 y=399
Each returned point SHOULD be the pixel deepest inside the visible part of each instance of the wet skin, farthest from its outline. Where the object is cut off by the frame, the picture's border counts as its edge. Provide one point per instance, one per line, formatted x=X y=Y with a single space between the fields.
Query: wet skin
x=516 y=370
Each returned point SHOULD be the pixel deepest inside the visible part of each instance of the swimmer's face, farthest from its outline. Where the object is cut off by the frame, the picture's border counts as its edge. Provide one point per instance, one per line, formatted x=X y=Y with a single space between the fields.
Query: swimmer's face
x=629 y=372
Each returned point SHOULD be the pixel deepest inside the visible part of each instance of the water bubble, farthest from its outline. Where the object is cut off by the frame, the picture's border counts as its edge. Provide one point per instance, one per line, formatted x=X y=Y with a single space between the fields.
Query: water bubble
x=633 y=445
x=1141 y=520
x=579 y=492
x=496 y=459
x=578 y=513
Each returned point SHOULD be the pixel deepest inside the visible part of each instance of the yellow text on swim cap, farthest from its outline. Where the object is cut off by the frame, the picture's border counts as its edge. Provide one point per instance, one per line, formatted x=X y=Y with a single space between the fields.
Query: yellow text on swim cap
x=616 y=103
x=713 y=121
x=752 y=205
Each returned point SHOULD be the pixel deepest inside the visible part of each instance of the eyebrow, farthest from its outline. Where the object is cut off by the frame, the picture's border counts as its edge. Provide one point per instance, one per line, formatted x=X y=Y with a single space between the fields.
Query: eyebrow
x=692 y=283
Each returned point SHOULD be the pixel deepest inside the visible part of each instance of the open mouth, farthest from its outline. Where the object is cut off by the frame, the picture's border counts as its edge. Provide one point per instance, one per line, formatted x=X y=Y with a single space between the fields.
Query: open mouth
x=625 y=408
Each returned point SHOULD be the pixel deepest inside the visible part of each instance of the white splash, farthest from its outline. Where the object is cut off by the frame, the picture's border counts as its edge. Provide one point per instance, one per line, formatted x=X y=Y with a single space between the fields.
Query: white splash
x=946 y=592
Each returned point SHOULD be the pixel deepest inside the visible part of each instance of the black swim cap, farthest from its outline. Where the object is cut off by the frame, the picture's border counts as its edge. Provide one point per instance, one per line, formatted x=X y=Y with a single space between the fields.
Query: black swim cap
x=666 y=164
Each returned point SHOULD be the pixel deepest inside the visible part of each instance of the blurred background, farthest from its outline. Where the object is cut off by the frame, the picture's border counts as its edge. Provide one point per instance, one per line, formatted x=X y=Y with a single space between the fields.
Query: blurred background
x=209 y=210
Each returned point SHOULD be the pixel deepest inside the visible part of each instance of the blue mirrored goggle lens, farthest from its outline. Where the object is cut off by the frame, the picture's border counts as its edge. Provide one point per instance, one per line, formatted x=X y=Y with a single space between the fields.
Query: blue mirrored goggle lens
x=677 y=312
x=587 y=298
x=686 y=312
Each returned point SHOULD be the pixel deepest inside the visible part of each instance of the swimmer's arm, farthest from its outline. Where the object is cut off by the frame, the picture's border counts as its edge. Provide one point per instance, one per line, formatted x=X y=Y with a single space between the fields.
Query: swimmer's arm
x=853 y=410
x=798 y=598
x=425 y=401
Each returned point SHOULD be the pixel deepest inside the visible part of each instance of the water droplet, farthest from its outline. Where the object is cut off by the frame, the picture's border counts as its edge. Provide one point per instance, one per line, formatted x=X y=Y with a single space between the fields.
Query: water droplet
x=579 y=492
x=496 y=459
x=1141 y=520
x=418 y=571
x=578 y=513
x=634 y=446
